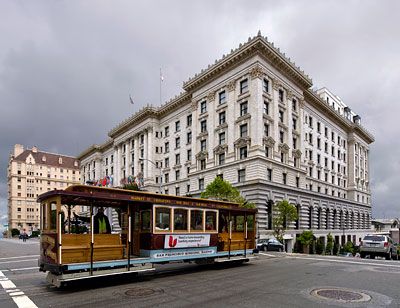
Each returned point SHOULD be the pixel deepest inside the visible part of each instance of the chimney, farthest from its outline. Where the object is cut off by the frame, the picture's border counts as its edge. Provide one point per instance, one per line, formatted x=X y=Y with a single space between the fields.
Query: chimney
x=34 y=149
x=18 y=150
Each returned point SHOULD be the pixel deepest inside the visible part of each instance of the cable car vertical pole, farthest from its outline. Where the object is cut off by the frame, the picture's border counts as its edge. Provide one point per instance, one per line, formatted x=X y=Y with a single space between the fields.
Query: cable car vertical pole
x=60 y=238
x=91 y=238
x=230 y=238
x=245 y=237
x=129 y=240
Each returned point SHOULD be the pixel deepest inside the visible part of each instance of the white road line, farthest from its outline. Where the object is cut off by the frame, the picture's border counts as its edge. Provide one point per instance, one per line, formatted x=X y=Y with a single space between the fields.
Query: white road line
x=266 y=254
x=17 y=296
x=20 y=257
x=345 y=261
x=16 y=261
x=20 y=269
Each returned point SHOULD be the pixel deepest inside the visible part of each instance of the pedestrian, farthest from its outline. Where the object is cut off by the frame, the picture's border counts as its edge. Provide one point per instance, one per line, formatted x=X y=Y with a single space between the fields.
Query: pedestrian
x=101 y=223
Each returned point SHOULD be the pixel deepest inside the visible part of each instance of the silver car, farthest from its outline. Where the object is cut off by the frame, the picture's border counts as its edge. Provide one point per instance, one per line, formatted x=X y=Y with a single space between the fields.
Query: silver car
x=378 y=245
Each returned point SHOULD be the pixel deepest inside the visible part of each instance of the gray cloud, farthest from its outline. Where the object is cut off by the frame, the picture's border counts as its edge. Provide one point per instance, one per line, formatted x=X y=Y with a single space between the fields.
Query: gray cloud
x=67 y=68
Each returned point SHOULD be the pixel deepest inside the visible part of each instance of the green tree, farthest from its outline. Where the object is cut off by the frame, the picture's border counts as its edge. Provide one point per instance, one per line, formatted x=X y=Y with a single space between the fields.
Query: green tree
x=284 y=214
x=222 y=190
x=329 y=244
x=348 y=247
x=131 y=186
x=320 y=245
x=305 y=239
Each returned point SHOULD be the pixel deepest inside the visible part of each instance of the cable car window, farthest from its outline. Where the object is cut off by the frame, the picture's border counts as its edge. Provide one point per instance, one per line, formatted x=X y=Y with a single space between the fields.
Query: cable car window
x=250 y=222
x=211 y=221
x=53 y=216
x=239 y=223
x=180 y=220
x=196 y=220
x=45 y=224
x=163 y=219
x=145 y=220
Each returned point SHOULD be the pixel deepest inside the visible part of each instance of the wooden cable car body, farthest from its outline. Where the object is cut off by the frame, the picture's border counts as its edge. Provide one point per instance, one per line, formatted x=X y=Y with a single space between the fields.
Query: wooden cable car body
x=153 y=228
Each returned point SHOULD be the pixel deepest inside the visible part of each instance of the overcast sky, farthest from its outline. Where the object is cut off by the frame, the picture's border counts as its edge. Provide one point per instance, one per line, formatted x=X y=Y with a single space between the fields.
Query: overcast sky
x=67 y=67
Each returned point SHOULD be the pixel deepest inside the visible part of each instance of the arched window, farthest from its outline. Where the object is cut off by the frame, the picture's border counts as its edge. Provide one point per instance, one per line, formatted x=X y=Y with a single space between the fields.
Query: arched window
x=310 y=217
x=327 y=213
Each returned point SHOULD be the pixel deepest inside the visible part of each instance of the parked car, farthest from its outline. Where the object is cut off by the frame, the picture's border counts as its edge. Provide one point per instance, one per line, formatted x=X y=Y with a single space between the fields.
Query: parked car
x=378 y=245
x=269 y=245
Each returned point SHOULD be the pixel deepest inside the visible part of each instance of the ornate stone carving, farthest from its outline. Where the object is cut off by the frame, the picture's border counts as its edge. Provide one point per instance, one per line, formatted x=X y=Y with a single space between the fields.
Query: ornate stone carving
x=242 y=141
x=284 y=148
x=221 y=148
x=297 y=153
x=231 y=85
x=256 y=72
x=194 y=105
x=302 y=102
x=211 y=96
x=275 y=84
x=269 y=141
x=202 y=155
x=289 y=95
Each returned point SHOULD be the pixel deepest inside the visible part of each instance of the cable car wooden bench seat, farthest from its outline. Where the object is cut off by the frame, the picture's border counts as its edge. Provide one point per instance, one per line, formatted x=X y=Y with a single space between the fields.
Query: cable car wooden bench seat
x=76 y=248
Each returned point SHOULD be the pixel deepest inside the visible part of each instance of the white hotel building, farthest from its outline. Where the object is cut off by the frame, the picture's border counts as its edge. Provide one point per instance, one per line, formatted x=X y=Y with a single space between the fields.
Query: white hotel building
x=252 y=118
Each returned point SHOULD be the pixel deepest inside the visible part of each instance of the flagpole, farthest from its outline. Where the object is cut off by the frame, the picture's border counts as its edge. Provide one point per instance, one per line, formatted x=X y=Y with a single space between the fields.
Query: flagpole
x=160 y=87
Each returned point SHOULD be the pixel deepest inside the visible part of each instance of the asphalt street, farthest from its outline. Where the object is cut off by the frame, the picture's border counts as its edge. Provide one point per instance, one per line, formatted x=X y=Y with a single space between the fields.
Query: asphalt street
x=272 y=280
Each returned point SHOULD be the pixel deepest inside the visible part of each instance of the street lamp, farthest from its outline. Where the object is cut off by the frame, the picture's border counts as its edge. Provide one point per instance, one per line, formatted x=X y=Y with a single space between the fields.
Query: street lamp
x=159 y=179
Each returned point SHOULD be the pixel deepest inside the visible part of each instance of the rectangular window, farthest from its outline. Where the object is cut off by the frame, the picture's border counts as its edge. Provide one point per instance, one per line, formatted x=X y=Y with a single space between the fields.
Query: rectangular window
x=203 y=107
x=202 y=164
x=222 y=97
x=269 y=174
x=244 y=87
x=166 y=162
x=196 y=220
x=243 y=109
x=189 y=155
x=266 y=151
x=166 y=131
x=211 y=221
x=166 y=146
x=203 y=145
x=221 y=158
x=163 y=219
x=318 y=127
x=281 y=136
x=241 y=175
x=203 y=126
x=177 y=159
x=265 y=85
x=222 y=117
x=177 y=142
x=281 y=114
x=294 y=143
x=266 y=107
x=280 y=93
x=243 y=152
x=189 y=137
x=201 y=184
x=166 y=176
x=310 y=122
x=177 y=175
x=189 y=120
x=284 y=177
x=326 y=132
x=243 y=130
x=294 y=105
x=297 y=181
x=221 y=138
x=180 y=220
x=266 y=130
x=177 y=126
x=294 y=122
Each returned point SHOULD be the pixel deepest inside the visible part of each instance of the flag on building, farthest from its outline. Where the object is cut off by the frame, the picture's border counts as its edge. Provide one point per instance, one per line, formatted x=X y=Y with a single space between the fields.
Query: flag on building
x=130 y=98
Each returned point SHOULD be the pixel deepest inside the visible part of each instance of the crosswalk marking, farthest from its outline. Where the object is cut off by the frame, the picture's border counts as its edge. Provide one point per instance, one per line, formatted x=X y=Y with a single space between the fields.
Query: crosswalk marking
x=19 y=297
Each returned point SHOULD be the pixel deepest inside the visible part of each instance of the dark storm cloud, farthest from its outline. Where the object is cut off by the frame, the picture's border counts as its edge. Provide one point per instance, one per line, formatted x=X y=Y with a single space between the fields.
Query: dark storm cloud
x=67 y=68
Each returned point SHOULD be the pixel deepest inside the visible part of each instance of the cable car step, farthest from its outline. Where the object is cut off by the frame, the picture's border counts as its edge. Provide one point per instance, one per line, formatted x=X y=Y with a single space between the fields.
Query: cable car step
x=233 y=259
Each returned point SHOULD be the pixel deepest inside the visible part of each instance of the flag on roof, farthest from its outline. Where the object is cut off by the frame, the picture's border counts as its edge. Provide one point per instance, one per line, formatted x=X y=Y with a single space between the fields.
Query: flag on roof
x=130 y=98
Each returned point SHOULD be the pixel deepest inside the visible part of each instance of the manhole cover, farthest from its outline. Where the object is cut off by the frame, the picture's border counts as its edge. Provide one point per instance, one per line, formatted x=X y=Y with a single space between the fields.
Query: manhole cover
x=142 y=292
x=341 y=295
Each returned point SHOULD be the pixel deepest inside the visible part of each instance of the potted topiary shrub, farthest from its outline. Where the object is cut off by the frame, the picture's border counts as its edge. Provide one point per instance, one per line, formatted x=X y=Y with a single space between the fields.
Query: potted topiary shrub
x=305 y=240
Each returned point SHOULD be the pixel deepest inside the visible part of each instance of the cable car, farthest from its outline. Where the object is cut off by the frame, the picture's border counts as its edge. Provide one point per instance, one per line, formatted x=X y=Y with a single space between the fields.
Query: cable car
x=145 y=229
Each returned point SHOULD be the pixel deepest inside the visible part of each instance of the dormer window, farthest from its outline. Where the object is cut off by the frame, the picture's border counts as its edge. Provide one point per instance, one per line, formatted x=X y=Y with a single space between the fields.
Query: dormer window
x=43 y=158
x=60 y=160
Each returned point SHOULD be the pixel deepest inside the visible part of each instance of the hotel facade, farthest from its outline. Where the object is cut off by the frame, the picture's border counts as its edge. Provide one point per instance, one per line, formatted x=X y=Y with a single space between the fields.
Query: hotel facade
x=30 y=173
x=253 y=119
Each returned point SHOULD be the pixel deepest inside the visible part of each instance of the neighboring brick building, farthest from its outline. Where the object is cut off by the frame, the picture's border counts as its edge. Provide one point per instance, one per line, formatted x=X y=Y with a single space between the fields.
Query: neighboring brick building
x=30 y=173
